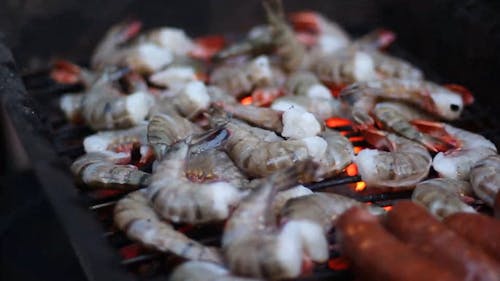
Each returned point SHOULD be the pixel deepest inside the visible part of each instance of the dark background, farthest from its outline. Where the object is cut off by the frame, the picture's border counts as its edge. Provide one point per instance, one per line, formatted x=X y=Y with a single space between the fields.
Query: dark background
x=457 y=39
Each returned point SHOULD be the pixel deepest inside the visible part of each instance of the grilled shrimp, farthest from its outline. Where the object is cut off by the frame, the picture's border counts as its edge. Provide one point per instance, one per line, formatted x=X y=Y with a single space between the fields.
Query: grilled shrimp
x=175 y=77
x=107 y=169
x=457 y=162
x=252 y=243
x=485 y=179
x=204 y=271
x=238 y=80
x=290 y=50
x=178 y=199
x=104 y=107
x=344 y=67
x=339 y=153
x=321 y=209
x=322 y=108
x=134 y=216
x=305 y=83
x=442 y=197
x=258 y=157
x=405 y=164
x=282 y=197
x=293 y=123
x=426 y=95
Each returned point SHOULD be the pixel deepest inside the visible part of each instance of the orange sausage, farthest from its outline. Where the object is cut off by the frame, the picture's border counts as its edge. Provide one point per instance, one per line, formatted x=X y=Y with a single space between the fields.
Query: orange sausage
x=414 y=225
x=377 y=255
x=480 y=230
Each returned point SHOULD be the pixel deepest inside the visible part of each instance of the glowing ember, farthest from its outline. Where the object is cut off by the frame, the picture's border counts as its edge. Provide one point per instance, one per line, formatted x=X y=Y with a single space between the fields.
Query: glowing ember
x=130 y=251
x=357 y=149
x=339 y=263
x=351 y=170
x=360 y=186
x=356 y=139
x=335 y=122
x=247 y=100
x=344 y=133
x=387 y=208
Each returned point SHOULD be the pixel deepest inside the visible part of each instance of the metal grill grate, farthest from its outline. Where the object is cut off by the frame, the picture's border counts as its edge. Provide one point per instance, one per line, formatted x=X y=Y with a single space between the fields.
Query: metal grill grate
x=66 y=141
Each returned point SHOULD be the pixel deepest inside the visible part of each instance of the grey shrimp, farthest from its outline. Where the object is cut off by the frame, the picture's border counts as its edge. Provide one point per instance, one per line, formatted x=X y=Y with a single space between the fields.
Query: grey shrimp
x=252 y=243
x=107 y=169
x=442 y=197
x=204 y=271
x=485 y=179
x=178 y=199
x=406 y=163
x=134 y=216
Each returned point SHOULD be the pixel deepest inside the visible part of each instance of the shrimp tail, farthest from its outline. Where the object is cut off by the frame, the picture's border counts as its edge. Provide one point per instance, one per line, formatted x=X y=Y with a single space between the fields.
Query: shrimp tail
x=443 y=140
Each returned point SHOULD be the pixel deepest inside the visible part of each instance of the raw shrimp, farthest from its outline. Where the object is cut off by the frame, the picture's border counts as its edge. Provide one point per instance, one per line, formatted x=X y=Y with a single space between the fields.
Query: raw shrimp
x=238 y=80
x=109 y=51
x=259 y=158
x=396 y=116
x=457 y=162
x=322 y=108
x=204 y=271
x=339 y=153
x=282 y=197
x=164 y=130
x=134 y=216
x=327 y=37
x=107 y=169
x=305 y=83
x=406 y=163
x=291 y=51
x=215 y=165
x=258 y=41
x=321 y=209
x=252 y=243
x=485 y=179
x=104 y=107
x=345 y=67
x=426 y=95
x=293 y=123
x=442 y=197
x=178 y=199
x=388 y=66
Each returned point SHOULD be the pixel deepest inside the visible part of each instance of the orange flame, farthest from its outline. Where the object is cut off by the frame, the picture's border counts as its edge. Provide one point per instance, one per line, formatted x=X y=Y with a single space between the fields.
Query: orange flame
x=339 y=263
x=357 y=149
x=337 y=122
x=387 y=208
x=351 y=170
x=360 y=186
x=356 y=139
x=246 y=100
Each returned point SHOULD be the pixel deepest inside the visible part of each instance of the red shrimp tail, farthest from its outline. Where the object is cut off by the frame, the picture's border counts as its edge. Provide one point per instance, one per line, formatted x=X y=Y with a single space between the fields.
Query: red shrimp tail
x=305 y=21
x=207 y=46
x=65 y=72
x=465 y=93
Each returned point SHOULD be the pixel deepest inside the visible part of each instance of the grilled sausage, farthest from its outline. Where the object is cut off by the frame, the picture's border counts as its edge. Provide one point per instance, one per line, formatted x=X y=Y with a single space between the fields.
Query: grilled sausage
x=480 y=230
x=378 y=255
x=414 y=225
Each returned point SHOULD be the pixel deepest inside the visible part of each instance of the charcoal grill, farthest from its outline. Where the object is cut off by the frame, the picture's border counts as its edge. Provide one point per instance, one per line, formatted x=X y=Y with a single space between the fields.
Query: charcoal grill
x=105 y=253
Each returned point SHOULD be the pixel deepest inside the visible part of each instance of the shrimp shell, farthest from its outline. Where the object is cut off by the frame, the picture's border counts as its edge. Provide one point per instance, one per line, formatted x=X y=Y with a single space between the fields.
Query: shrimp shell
x=322 y=108
x=291 y=51
x=457 y=163
x=406 y=164
x=134 y=216
x=305 y=83
x=321 y=208
x=441 y=196
x=259 y=158
x=178 y=199
x=392 y=67
x=204 y=271
x=339 y=153
x=103 y=170
x=485 y=179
